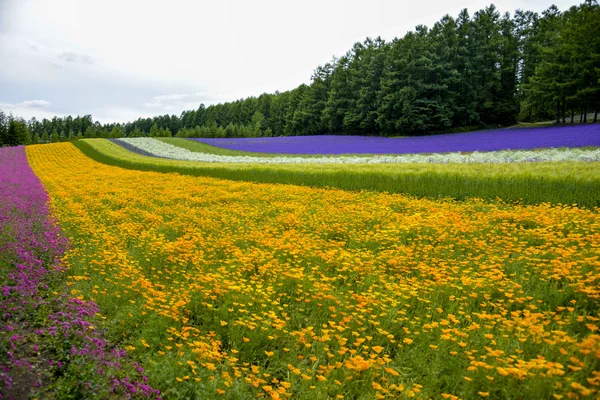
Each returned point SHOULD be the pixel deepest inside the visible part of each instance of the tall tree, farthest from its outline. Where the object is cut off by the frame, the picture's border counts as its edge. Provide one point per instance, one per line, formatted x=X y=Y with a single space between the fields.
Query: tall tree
x=3 y=128
x=17 y=133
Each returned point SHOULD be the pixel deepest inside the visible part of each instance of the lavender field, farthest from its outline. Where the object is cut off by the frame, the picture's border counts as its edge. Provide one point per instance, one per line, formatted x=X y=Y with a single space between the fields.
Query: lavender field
x=491 y=140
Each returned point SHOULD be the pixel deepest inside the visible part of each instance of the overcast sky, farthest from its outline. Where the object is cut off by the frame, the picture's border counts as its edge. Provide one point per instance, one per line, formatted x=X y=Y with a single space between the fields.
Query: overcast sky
x=123 y=59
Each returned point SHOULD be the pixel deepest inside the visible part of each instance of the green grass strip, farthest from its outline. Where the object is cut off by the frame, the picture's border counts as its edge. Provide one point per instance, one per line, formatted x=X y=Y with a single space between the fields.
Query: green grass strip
x=529 y=183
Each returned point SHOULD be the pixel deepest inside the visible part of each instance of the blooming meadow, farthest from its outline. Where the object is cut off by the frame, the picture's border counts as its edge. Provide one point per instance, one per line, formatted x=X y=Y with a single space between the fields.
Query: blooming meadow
x=245 y=290
x=156 y=148
x=491 y=140
x=48 y=340
x=558 y=182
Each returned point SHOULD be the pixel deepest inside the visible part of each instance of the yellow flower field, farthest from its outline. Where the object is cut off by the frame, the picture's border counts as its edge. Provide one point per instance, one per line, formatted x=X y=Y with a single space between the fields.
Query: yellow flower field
x=259 y=290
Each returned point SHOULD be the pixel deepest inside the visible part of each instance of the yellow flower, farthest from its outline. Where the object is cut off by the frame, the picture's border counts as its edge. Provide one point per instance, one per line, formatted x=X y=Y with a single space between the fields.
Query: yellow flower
x=377 y=349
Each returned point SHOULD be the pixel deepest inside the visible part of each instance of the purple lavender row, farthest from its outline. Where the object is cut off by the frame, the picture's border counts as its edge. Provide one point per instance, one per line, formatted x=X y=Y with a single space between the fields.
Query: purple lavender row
x=492 y=140
x=46 y=338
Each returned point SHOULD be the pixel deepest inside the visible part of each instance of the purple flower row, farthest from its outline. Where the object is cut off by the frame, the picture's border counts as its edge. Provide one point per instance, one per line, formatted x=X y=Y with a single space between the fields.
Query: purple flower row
x=44 y=335
x=492 y=140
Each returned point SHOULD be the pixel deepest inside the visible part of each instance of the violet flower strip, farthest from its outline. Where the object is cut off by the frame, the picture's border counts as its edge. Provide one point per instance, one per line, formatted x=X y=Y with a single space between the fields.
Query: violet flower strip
x=25 y=235
x=27 y=232
x=31 y=244
x=492 y=140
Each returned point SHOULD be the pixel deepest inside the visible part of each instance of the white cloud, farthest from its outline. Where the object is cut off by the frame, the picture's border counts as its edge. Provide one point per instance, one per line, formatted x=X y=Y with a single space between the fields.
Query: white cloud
x=180 y=101
x=34 y=104
x=176 y=96
x=71 y=57
x=30 y=108
x=32 y=46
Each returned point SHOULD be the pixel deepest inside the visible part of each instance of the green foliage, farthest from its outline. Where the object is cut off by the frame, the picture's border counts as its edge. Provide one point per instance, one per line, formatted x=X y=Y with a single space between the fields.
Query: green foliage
x=117 y=132
x=3 y=128
x=566 y=77
x=16 y=133
x=27 y=137
x=553 y=182
x=258 y=123
x=91 y=132
x=136 y=133
x=54 y=138
x=154 y=131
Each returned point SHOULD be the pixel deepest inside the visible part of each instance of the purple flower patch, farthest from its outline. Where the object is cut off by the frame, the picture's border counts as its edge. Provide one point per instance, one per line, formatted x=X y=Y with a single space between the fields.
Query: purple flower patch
x=31 y=244
x=492 y=140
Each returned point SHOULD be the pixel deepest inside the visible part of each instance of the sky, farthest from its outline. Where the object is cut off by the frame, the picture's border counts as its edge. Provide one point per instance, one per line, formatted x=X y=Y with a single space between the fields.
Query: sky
x=120 y=60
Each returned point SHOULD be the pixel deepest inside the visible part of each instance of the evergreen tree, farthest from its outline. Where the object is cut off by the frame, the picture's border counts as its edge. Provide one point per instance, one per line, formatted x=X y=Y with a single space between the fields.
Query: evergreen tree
x=26 y=135
x=258 y=124
x=3 y=128
x=340 y=96
x=369 y=76
x=308 y=115
x=54 y=138
x=154 y=131
x=90 y=132
x=17 y=132
x=545 y=89
x=117 y=132
x=231 y=130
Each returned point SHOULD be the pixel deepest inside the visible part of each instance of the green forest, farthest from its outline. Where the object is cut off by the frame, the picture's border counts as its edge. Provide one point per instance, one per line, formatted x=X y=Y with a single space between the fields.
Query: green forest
x=465 y=72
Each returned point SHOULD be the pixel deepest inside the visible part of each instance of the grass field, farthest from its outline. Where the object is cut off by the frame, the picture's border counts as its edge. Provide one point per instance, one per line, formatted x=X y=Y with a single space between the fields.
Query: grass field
x=531 y=183
x=251 y=290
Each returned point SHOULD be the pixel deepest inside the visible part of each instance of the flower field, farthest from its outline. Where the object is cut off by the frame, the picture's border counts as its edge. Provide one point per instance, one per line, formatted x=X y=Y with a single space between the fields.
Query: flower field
x=572 y=182
x=492 y=140
x=233 y=289
x=156 y=148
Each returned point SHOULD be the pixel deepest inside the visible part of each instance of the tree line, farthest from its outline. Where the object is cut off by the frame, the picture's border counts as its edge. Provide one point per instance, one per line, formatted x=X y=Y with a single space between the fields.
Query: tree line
x=484 y=70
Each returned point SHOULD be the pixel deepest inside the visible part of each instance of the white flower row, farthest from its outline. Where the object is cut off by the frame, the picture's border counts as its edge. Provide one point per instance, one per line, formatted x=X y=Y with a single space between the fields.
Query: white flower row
x=165 y=150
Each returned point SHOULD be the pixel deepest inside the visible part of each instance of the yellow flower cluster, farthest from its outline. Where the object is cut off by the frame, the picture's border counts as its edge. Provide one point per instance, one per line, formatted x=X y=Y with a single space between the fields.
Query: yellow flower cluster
x=280 y=291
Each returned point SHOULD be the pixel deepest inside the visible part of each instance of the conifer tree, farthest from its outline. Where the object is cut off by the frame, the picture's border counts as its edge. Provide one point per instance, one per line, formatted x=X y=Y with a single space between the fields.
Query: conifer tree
x=54 y=138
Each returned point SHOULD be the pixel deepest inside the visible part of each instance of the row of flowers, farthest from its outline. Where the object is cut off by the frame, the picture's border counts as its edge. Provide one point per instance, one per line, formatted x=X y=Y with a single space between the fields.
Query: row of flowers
x=48 y=339
x=165 y=150
x=237 y=290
